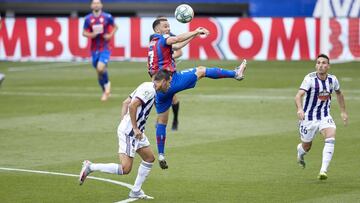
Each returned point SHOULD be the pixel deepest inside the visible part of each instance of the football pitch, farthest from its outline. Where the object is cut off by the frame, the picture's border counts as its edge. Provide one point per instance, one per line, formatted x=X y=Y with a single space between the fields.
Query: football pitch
x=236 y=140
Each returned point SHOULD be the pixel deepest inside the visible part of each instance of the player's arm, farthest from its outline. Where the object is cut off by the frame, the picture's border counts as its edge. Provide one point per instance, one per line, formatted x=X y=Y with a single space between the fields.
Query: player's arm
x=125 y=107
x=134 y=104
x=180 y=45
x=298 y=102
x=341 y=101
x=89 y=34
x=187 y=36
x=109 y=35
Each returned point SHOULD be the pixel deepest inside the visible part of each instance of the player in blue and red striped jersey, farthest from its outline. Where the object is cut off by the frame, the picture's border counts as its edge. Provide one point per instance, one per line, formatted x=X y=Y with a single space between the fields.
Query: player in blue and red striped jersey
x=160 y=57
x=176 y=102
x=100 y=28
x=314 y=113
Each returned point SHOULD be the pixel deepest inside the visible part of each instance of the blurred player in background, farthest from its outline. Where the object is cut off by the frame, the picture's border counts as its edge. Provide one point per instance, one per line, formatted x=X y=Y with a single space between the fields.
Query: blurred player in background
x=100 y=28
x=160 y=57
x=2 y=76
x=175 y=102
x=314 y=112
x=135 y=111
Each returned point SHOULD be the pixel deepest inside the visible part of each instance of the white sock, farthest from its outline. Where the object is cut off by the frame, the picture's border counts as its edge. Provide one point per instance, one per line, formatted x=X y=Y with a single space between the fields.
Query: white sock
x=143 y=172
x=327 y=153
x=107 y=168
x=300 y=149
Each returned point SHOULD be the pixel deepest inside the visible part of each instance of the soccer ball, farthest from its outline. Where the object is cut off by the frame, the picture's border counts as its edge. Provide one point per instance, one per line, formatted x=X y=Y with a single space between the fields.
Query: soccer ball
x=184 y=13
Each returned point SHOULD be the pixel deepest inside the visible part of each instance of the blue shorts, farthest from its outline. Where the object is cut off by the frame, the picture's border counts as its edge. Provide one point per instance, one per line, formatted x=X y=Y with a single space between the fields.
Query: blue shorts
x=102 y=56
x=183 y=80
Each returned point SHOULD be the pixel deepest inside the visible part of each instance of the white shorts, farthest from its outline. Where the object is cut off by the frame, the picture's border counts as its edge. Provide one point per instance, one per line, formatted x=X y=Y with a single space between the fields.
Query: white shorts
x=308 y=129
x=129 y=145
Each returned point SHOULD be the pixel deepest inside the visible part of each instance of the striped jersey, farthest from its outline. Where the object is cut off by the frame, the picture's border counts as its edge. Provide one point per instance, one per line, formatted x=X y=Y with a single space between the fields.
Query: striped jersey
x=146 y=93
x=317 y=101
x=160 y=54
x=102 y=24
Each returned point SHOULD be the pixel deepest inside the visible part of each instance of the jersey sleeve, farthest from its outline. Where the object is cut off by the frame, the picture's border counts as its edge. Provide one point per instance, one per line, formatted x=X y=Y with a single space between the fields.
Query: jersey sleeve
x=87 y=24
x=306 y=83
x=145 y=94
x=132 y=94
x=111 y=20
x=336 y=84
x=163 y=39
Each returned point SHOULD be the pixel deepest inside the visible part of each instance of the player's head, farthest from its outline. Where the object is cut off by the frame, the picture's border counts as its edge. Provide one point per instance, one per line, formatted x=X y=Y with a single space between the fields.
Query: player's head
x=322 y=63
x=161 y=26
x=161 y=80
x=96 y=5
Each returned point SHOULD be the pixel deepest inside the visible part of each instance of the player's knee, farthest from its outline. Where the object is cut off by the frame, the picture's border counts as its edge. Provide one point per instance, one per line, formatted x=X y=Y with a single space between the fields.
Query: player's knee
x=150 y=159
x=306 y=147
x=100 y=70
x=163 y=118
x=200 y=71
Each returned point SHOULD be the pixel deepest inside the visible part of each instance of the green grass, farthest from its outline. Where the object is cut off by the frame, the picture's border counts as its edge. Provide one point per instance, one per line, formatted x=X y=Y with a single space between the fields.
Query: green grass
x=236 y=140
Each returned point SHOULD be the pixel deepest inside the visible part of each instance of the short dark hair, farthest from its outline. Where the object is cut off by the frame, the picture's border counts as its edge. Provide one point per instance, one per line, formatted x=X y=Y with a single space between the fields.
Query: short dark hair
x=157 y=22
x=162 y=74
x=323 y=56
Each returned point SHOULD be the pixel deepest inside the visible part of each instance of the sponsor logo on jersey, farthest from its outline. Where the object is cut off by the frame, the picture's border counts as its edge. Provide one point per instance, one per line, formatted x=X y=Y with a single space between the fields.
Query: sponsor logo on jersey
x=324 y=95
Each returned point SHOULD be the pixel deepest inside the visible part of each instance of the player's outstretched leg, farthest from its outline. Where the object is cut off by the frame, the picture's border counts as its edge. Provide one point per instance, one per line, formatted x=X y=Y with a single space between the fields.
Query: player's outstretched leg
x=218 y=73
x=85 y=171
x=300 y=155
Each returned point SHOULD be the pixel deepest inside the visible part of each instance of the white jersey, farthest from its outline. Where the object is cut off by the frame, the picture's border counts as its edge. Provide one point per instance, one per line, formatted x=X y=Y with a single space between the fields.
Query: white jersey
x=317 y=101
x=146 y=93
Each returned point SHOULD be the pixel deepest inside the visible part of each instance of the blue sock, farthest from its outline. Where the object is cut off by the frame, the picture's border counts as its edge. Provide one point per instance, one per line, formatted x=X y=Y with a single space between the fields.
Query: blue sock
x=216 y=73
x=160 y=137
x=101 y=82
x=105 y=77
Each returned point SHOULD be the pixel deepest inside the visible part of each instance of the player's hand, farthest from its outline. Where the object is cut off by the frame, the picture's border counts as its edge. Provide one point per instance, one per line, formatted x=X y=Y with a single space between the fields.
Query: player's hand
x=301 y=114
x=202 y=31
x=138 y=133
x=345 y=118
x=107 y=36
x=93 y=35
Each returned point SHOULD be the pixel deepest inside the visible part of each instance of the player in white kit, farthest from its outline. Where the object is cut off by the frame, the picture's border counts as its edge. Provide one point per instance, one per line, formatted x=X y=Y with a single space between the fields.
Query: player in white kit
x=135 y=111
x=314 y=112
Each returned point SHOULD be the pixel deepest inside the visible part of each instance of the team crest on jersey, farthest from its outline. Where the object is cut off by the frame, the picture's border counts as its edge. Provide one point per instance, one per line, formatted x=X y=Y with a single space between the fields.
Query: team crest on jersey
x=92 y=20
x=324 y=95
x=101 y=19
x=147 y=94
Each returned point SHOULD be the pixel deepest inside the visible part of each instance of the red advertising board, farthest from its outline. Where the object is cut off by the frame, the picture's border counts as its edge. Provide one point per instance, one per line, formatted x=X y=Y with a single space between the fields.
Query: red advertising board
x=230 y=38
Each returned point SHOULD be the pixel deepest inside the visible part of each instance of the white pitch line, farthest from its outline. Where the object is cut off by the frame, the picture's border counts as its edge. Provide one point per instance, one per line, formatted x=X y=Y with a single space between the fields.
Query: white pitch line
x=73 y=175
